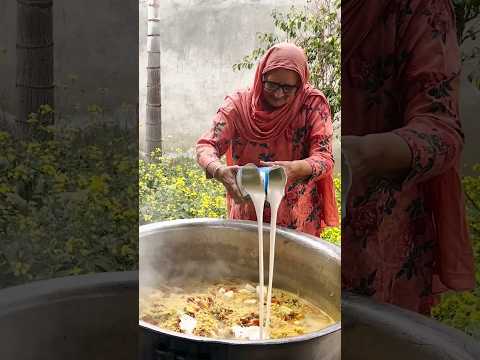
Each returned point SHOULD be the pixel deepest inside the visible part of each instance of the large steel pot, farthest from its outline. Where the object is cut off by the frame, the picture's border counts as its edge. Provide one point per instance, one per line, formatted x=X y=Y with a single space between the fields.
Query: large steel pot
x=207 y=249
x=91 y=317
x=373 y=331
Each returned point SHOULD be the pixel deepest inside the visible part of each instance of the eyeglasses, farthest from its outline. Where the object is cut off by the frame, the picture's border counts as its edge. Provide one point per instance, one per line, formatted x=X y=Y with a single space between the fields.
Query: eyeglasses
x=273 y=87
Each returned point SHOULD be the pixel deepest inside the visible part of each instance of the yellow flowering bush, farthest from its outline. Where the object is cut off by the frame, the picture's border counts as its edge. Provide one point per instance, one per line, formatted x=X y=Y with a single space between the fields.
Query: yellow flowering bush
x=176 y=188
x=334 y=234
x=68 y=201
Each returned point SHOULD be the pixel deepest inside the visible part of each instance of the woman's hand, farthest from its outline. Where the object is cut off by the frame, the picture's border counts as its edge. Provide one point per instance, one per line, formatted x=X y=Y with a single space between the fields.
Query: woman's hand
x=226 y=175
x=377 y=155
x=359 y=156
x=295 y=170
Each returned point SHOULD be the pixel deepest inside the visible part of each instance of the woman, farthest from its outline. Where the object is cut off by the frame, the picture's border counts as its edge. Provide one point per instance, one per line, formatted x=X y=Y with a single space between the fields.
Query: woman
x=404 y=239
x=282 y=120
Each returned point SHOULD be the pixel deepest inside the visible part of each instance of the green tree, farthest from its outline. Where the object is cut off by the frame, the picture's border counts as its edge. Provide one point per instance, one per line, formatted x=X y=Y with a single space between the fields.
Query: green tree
x=462 y=310
x=468 y=28
x=315 y=28
x=466 y=11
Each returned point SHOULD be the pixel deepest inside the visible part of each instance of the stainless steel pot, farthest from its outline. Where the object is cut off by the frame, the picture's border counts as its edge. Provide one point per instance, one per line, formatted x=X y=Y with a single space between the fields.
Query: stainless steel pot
x=206 y=249
x=91 y=317
x=373 y=331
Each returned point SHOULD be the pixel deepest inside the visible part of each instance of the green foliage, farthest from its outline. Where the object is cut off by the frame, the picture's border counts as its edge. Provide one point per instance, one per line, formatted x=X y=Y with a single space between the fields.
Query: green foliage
x=466 y=12
x=174 y=187
x=68 y=201
x=315 y=28
x=462 y=310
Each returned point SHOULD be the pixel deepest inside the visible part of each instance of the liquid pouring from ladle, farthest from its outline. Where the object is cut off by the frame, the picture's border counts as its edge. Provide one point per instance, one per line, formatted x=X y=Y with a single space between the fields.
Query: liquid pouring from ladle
x=277 y=180
x=267 y=183
x=250 y=181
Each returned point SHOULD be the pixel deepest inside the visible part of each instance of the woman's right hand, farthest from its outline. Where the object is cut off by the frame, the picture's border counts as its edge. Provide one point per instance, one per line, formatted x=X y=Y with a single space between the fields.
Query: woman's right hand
x=226 y=175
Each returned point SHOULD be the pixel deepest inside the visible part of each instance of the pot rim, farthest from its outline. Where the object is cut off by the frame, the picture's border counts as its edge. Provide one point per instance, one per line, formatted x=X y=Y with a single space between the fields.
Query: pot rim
x=24 y=296
x=307 y=240
x=202 y=339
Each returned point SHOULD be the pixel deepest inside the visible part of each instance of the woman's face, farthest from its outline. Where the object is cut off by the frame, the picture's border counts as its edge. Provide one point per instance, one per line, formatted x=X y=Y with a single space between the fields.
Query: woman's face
x=280 y=87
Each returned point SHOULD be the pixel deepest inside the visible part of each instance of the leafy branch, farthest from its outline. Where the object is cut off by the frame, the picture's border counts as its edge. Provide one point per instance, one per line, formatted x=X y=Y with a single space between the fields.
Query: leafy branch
x=315 y=28
x=466 y=13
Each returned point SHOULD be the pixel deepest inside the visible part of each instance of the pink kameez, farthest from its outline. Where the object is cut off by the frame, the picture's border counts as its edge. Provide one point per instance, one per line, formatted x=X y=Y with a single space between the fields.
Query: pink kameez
x=301 y=130
x=405 y=241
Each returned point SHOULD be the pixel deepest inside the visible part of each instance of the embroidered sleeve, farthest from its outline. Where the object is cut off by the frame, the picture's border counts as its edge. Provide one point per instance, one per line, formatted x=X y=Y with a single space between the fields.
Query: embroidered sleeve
x=214 y=143
x=321 y=135
x=431 y=88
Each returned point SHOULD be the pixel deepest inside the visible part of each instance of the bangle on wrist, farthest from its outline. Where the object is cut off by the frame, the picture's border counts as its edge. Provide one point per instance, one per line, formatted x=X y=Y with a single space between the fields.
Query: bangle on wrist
x=211 y=168
x=216 y=169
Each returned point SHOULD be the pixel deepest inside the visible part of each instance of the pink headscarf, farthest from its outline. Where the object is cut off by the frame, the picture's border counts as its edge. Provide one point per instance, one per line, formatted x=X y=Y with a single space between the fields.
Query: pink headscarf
x=255 y=124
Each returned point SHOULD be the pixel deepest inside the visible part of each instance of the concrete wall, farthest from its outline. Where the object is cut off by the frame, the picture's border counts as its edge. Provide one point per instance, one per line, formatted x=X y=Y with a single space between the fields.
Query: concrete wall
x=470 y=108
x=201 y=40
x=86 y=33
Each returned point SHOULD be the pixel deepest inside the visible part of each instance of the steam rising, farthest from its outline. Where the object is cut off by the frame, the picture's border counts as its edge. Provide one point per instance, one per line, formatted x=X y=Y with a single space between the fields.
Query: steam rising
x=184 y=262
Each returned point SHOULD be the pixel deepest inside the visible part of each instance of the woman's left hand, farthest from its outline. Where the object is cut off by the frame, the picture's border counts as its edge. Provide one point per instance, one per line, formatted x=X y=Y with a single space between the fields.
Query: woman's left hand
x=295 y=169
x=377 y=155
